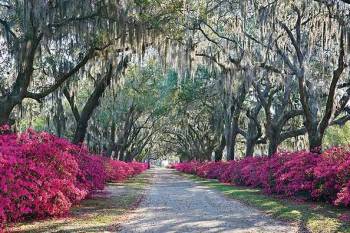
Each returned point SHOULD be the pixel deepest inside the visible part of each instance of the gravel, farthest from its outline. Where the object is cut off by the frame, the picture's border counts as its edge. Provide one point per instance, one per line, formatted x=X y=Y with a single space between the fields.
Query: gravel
x=176 y=204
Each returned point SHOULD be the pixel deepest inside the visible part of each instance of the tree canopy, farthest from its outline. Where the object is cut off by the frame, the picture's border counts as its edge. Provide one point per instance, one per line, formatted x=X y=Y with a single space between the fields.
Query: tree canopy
x=198 y=79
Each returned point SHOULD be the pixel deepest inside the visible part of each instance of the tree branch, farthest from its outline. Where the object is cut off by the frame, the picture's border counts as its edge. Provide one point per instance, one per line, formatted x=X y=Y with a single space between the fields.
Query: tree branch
x=336 y=76
x=289 y=115
x=223 y=66
x=7 y=28
x=74 y=19
x=295 y=41
x=62 y=77
x=70 y=99
x=292 y=133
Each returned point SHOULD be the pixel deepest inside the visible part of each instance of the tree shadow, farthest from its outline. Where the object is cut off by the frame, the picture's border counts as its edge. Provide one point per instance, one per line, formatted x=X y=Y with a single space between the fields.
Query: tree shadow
x=180 y=205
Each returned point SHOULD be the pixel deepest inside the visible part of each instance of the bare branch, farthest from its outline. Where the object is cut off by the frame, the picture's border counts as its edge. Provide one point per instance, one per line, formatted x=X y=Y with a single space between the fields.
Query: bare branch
x=212 y=58
x=62 y=77
x=7 y=27
x=73 y=20
x=336 y=76
x=295 y=41
x=72 y=105
x=292 y=133
x=289 y=115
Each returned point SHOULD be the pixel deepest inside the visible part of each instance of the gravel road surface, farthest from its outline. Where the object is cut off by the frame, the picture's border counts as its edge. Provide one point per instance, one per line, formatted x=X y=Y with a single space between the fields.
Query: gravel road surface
x=176 y=204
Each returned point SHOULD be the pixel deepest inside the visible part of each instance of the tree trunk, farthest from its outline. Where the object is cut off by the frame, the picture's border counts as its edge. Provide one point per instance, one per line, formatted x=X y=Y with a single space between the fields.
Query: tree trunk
x=121 y=157
x=315 y=142
x=250 y=147
x=80 y=132
x=252 y=135
x=254 y=131
x=6 y=108
x=231 y=144
x=112 y=139
x=129 y=157
x=122 y=153
x=219 y=151
x=58 y=118
x=273 y=145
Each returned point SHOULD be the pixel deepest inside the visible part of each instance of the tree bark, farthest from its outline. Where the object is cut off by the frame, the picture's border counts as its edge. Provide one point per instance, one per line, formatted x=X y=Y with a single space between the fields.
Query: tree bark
x=231 y=144
x=254 y=131
x=250 y=147
x=232 y=126
x=80 y=132
x=220 y=149
x=112 y=139
x=315 y=141
x=273 y=145
x=6 y=108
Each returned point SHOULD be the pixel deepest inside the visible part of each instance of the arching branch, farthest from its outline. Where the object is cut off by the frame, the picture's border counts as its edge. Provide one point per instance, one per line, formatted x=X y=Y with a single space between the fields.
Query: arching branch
x=7 y=28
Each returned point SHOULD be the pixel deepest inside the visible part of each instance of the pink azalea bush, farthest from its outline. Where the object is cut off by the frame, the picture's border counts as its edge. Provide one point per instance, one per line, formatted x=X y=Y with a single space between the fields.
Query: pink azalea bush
x=301 y=174
x=188 y=167
x=42 y=175
x=137 y=168
x=332 y=182
x=211 y=170
x=289 y=173
x=118 y=170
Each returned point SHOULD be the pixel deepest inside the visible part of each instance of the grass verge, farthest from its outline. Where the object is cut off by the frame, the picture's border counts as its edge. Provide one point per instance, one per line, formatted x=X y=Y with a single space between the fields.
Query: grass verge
x=103 y=212
x=311 y=217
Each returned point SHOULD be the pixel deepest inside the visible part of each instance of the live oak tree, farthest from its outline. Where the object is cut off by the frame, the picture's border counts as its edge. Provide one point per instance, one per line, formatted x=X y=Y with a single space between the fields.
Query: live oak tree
x=38 y=41
x=82 y=118
x=279 y=108
x=299 y=53
x=46 y=43
x=192 y=78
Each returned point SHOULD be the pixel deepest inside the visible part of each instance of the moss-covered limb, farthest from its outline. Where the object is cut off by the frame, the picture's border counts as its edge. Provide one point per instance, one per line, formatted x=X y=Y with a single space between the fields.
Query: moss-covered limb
x=312 y=217
x=102 y=212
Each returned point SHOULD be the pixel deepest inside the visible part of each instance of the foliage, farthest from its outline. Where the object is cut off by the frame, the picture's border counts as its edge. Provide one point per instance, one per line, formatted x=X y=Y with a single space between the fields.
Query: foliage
x=337 y=136
x=42 y=175
x=301 y=174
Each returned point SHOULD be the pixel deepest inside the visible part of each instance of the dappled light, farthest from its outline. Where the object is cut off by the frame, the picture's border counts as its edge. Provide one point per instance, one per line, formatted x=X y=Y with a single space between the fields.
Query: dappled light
x=179 y=205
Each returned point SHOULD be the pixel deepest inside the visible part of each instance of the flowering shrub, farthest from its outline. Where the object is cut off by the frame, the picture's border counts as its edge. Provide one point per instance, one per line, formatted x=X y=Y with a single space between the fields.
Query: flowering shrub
x=332 y=173
x=245 y=172
x=42 y=175
x=137 y=168
x=188 y=167
x=119 y=170
x=290 y=173
x=211 y=170
x=298 y=174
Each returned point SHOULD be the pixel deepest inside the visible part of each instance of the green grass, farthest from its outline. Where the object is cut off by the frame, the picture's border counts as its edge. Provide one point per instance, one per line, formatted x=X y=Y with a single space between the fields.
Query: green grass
x=311 y=217
x=99 y=214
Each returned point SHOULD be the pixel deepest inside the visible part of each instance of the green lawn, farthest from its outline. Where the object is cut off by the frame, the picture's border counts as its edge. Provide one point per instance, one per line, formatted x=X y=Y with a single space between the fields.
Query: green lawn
x=311 y=217
x=101 y=213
